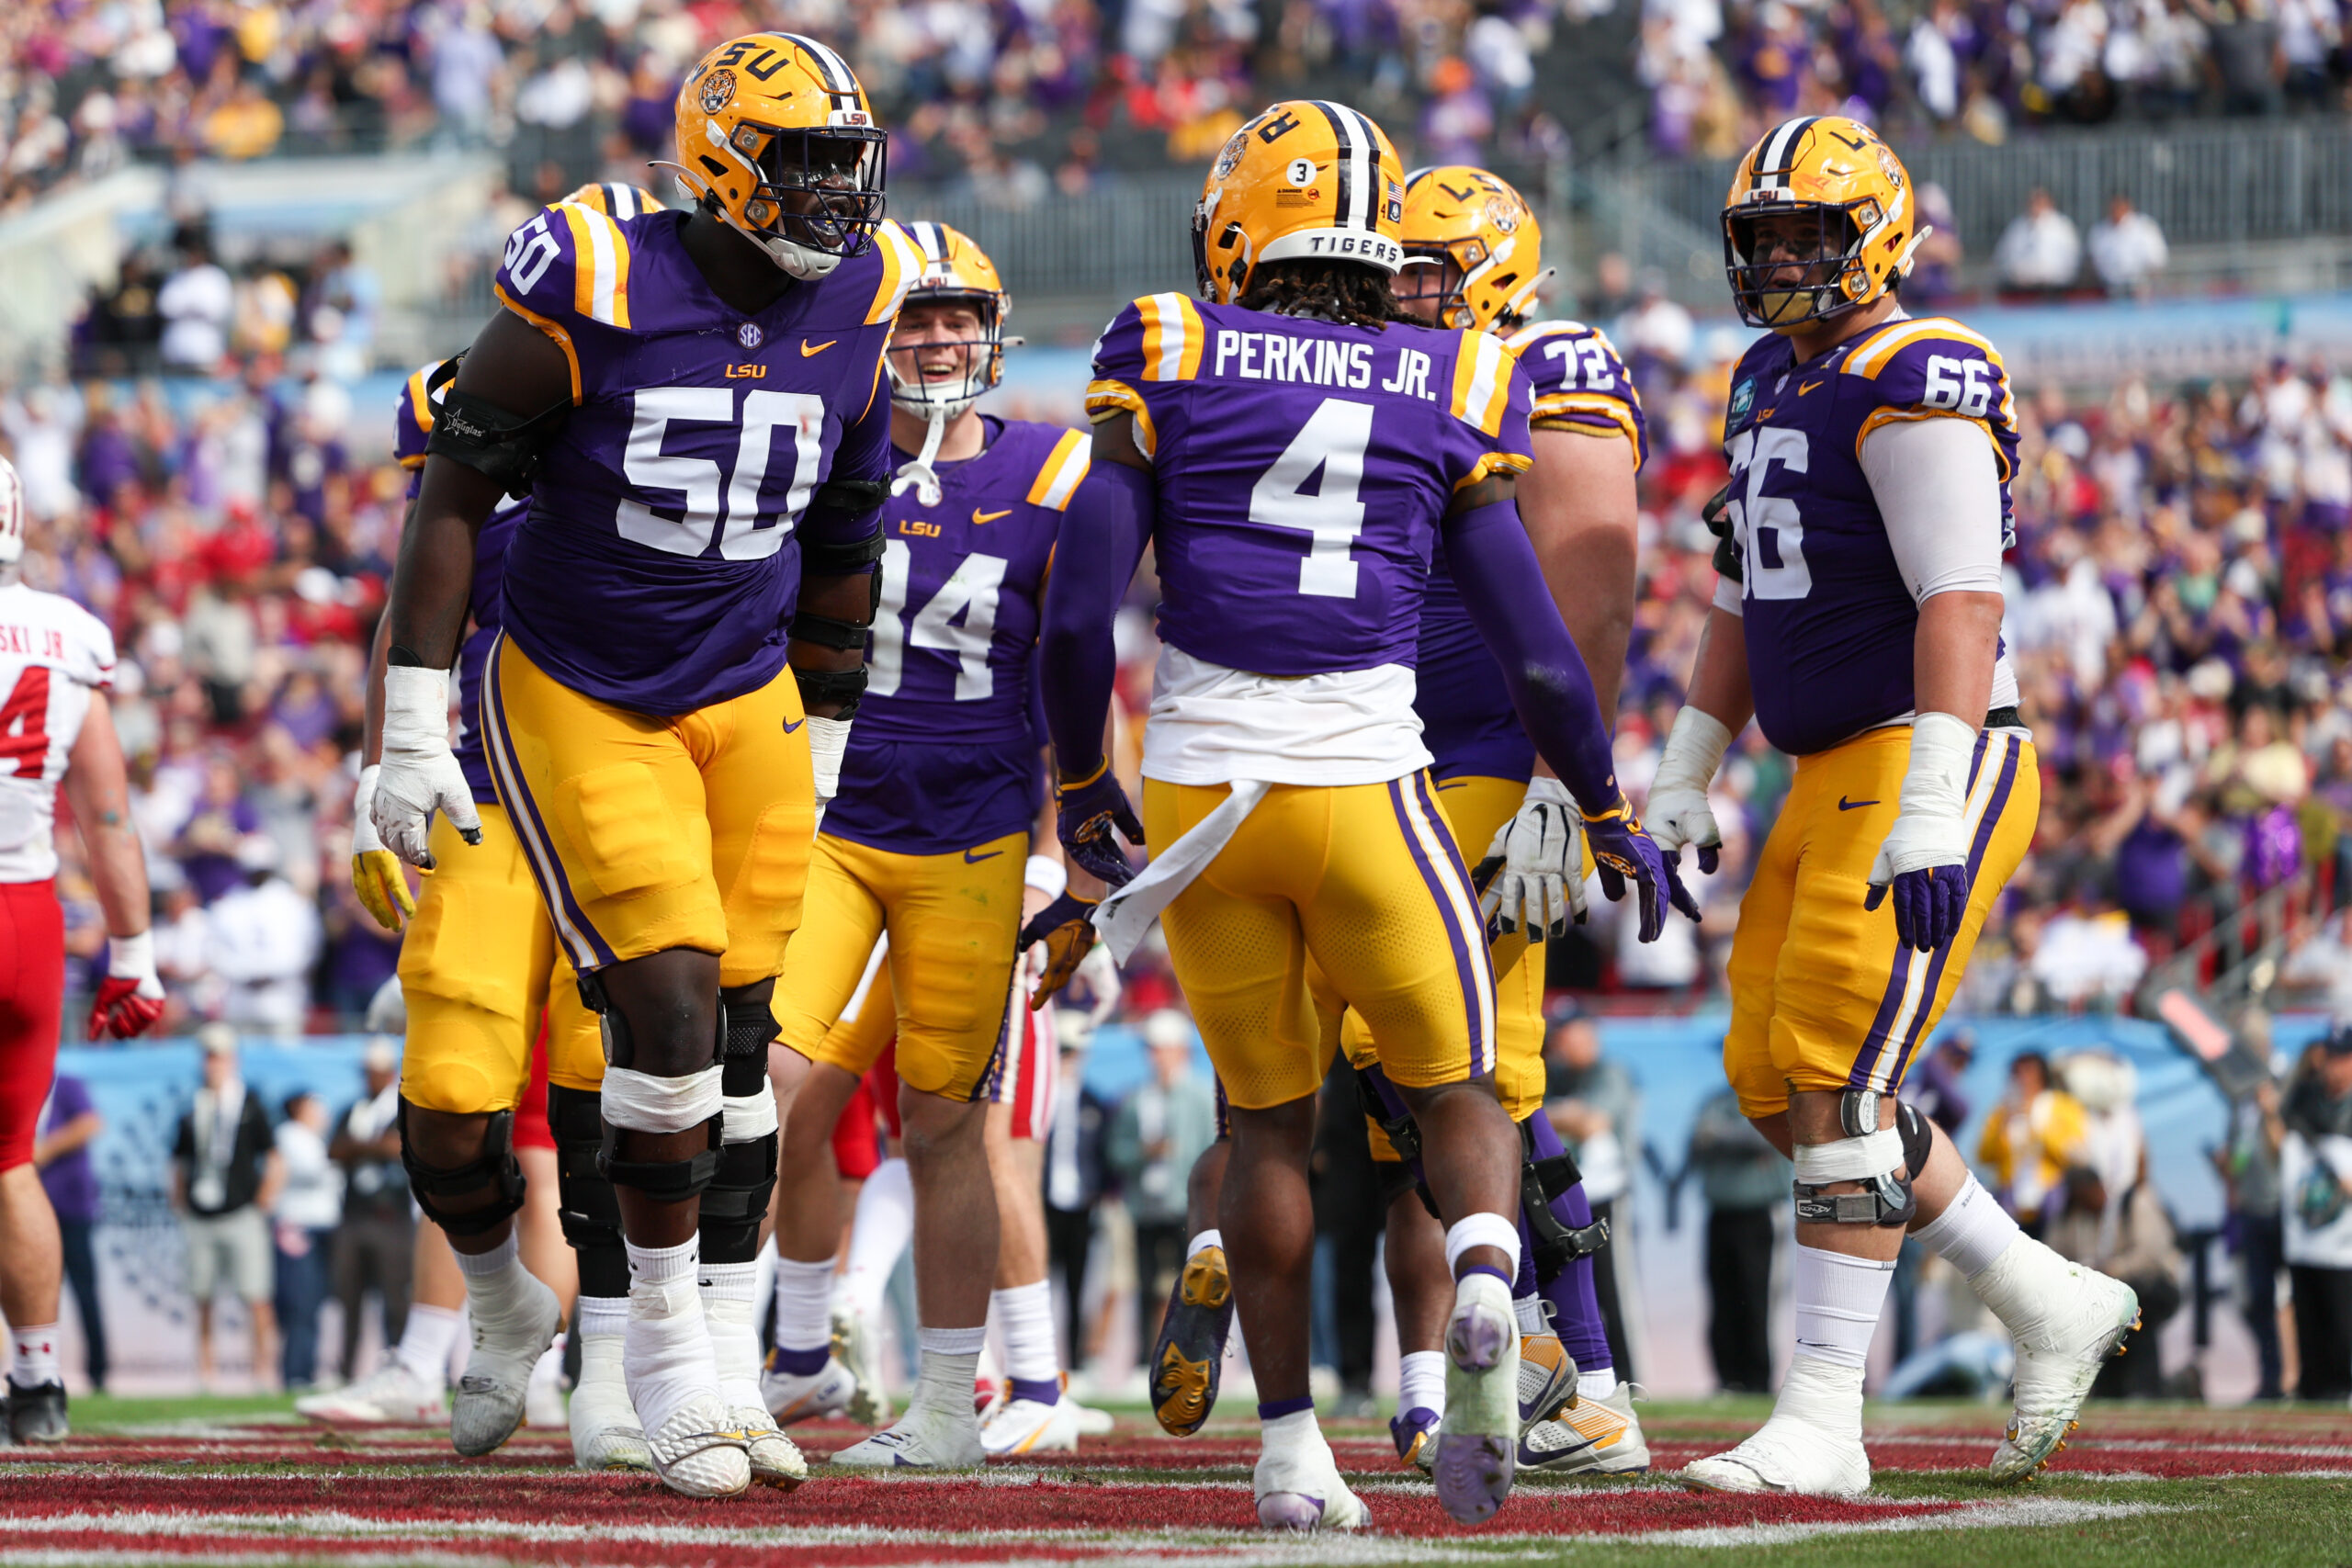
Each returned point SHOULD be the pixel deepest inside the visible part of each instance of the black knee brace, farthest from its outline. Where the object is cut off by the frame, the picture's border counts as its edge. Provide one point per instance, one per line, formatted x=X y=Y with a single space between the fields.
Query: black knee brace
x=736 y=1203
x=1552 y=1246
x=494 y=1168
x=1396 y=1179
x=666 y=1180
x=1919 y=1135
x=621 y=1048
x=1397 y=1123
x=591 y=1215
x=746 y=1028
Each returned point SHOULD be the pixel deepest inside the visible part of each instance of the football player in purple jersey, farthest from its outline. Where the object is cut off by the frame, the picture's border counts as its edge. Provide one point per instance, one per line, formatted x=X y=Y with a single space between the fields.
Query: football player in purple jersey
x=1291 y=451
x=1858 y=619
x=694 y=402
x=926 y=846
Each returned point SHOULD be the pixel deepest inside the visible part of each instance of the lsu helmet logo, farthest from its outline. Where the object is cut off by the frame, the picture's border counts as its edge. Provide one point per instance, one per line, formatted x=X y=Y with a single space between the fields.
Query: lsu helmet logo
x=718 y=91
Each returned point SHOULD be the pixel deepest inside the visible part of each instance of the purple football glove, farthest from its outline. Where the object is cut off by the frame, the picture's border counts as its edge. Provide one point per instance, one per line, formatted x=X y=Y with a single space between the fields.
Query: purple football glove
x=1085 y=814
x=1929 y=903
x=1623 y=852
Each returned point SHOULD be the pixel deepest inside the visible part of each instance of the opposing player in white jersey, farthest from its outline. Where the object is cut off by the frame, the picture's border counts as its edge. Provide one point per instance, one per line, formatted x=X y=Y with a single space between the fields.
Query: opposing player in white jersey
x=56 y=667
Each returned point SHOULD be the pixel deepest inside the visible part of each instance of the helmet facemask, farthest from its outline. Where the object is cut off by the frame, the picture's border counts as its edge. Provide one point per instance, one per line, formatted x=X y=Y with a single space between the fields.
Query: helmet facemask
x=816 y=194
x=940 y=377
x=1790 y=262
x=1432 y=273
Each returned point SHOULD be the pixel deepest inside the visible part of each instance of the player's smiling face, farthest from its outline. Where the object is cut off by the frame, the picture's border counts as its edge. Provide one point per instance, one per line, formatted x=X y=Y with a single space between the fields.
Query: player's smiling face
x=937 y=344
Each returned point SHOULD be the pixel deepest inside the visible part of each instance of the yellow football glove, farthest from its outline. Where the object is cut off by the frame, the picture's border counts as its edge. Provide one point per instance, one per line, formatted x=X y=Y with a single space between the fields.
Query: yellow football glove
x=376 y=873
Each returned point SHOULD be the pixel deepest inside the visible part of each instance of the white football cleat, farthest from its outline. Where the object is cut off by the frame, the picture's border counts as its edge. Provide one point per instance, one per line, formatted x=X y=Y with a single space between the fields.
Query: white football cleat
x=510 y=1336
x=2071 y=1321
x=543 y=1400
x=1026 y=1426
x=605 y=1433
x=923 y=1440
x=790 y=1397
x=1477 y=1438
x=1091 y=1423
x=1298 y=1487
x=1592 y=1437
x=699 y=1451
x=855 y=1346
x=1789 y=1456
x=776 y=1460
x=391 y=1395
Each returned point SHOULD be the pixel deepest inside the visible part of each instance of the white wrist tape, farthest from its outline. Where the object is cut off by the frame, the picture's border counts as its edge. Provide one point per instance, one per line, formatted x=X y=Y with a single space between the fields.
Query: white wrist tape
x=1865 y=1158
x=1694 y=750
x=1046 y=875
x=1936 y=782
x=644 y=1104
x=131 y=957
x=1480 y=1230
x=416 y=708
x=828 y=744
x=748 y=1118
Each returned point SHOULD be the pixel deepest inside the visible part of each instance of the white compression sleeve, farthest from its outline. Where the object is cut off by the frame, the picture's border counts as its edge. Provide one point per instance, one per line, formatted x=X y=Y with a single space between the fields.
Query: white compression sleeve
x=1939 y=492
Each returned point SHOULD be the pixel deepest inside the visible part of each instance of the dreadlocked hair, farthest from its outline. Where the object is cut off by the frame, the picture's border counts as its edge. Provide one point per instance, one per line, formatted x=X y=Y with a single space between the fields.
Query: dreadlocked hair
x=1347 y=292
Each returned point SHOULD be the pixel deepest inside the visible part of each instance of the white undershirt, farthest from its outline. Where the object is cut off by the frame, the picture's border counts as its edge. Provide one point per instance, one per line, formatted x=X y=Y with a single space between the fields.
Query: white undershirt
x=1211 y=726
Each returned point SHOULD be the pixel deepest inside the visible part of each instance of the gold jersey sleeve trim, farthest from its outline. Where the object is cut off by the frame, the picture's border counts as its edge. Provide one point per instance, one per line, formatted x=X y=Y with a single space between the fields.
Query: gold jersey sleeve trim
x=1064 y=467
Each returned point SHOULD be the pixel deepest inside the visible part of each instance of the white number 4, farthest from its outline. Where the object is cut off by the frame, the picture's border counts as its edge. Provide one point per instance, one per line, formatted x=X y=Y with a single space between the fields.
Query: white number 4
x=1965 y=385
x=1333 y=439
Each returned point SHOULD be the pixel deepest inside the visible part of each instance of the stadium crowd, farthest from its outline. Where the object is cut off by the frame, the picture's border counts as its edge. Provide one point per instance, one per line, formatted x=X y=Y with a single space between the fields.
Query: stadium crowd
x=1016 y=94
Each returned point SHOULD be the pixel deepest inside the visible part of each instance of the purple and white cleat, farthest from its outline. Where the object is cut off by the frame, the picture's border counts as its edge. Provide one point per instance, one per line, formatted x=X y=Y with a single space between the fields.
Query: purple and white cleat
x=1478 y=1443
x=1299 y=1488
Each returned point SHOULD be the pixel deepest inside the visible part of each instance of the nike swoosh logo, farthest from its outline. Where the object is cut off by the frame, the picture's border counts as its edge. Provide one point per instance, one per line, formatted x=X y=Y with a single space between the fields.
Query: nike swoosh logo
x=1845 y=804
x=971 y=859
x=810 y=350
x=1457 y=783
x=794 y=724
x=980 y=516
x=1808 y=387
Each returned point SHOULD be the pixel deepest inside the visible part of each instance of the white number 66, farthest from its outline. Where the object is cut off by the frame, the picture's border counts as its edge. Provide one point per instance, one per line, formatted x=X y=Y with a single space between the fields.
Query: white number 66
x=1965 y=385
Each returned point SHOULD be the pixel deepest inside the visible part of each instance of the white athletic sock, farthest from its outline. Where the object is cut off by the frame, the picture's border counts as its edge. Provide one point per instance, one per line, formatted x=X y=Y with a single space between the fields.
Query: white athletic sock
x=426 y=1341
x=1837 y=1302
x=1202 y=1242
x=883 y=1229
x=600 y=1353
x=480 y=1265
x=1972 y=1232
x=1420 y=1383
x=1291 y=1433
x=600 y=1317
x=34 y=1361
x=1529 y=1310
x=1596 y=1385
x=666 y=1352
x=1026 y=1313
x=727 y=1305
x=951 y=1359
x=496 y=1280
x=1824 y=1395
x=802 y=1293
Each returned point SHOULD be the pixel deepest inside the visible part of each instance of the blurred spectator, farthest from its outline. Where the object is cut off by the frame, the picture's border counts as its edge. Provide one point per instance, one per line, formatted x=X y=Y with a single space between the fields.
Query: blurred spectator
x=2040 y=252
x=2031 y=1139
x=2130 y=1238
x=2249 y=1170
x=1592 y=1103
x=1073 y=1190
x=1743 y=1179
x=2315 y=1173
x=195 y=303
x=1159 y=1131
x=263 y=938
x=226 y=1174
x=62 y=1154
x=2127 y=248
x=310 y=1206
x=375 y=1246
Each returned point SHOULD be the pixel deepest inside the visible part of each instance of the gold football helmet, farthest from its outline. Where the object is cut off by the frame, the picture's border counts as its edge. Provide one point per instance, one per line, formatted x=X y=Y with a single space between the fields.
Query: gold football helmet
x=776 y=139
x=1837 y=206
x=1480 y=237
x=1306 y=180
x=614 y=199
x=955 y=270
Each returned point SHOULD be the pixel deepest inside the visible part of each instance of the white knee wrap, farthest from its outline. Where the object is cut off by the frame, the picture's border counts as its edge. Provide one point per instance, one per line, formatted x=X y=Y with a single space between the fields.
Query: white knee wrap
x=1865 y=1158
x=644 y=1104
x=748 y=1117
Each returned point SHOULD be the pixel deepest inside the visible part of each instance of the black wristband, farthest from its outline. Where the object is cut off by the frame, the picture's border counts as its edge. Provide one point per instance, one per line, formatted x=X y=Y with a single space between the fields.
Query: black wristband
x=402 y=658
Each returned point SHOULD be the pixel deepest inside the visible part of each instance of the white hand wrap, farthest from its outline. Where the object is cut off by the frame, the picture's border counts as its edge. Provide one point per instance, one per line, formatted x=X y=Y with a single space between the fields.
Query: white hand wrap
x=365 y=840
x=828 y=744
x=419 y=774
x=133 y=958
x=1931 y=828
x=1677 y=812
x=1540 y=883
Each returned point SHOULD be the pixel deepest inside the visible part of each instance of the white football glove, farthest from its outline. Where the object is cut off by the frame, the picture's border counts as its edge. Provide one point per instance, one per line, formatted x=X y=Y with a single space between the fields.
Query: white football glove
x=828 y=744
x=1678 y=812
x=1534 y=867
x=419 y=774
x=1924 y=858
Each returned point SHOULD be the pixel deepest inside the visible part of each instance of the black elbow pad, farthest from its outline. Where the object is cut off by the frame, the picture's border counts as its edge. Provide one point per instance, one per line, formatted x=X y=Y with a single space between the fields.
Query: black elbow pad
x=493 y=442
x=836 y=558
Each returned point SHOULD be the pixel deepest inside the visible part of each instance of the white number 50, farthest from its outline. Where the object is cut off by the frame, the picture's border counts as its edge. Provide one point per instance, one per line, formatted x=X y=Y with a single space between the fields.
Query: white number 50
x=1965 y=385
